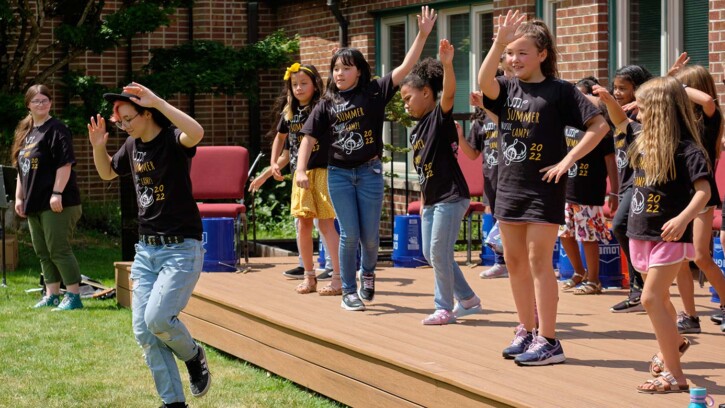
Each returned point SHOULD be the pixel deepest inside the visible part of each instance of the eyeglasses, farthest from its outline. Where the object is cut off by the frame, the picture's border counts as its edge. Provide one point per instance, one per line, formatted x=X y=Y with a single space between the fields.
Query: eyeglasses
x=39 y=102
x=123 y=124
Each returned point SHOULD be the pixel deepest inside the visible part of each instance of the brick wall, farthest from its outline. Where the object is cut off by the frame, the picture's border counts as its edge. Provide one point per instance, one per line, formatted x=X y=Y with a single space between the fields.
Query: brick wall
x=717 y=45
x=582 y=39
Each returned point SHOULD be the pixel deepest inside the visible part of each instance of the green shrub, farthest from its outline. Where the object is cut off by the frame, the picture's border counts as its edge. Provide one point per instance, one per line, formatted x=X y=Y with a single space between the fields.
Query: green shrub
x=272 y=209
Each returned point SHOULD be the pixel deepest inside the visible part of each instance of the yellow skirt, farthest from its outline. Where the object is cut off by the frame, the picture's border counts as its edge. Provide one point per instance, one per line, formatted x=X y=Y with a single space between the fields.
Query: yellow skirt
x=313 y=202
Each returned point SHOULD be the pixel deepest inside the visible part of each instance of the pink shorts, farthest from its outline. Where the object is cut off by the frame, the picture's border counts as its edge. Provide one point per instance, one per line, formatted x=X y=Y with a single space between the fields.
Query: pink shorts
x=646 y=254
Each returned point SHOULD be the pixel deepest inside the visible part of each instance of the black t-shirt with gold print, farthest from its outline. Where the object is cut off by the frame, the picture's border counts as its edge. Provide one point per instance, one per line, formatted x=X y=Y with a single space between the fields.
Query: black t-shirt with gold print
x=532 y=118
x=435 y=141
x=353 y=125
x=160 y=170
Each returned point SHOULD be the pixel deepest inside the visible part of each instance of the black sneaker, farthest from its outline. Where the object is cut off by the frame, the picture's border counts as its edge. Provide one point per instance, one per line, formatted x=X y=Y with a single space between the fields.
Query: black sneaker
x=687 y=323
x=325 y=275
x=199 y=376
x=717 y=318
x=295 y=273
x=366 y=291
x=175 y=405
x=350 y=301
x=628 y=306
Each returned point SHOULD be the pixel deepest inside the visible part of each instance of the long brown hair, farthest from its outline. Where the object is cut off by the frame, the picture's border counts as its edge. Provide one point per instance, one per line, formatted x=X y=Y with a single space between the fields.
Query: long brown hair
x=24 y=126
x=539 y=33
x=697 y=77
x=667 y=118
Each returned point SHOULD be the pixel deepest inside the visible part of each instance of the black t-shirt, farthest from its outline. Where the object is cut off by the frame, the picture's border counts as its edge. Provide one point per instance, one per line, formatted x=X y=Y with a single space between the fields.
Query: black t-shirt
x=653 y=206
x=483 y=136
x=625 y=173
x=160 y=170
x=587 y=183
x=291 y=128
x=435 y=142
x=710 y=140
x=47 y=148
x=532 y=117
x=352 y=126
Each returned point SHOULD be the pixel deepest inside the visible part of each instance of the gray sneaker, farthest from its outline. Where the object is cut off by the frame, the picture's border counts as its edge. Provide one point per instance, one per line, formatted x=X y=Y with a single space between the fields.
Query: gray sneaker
x=48 y=301
x=496 y=271
x=351 y=301
x=688 y=324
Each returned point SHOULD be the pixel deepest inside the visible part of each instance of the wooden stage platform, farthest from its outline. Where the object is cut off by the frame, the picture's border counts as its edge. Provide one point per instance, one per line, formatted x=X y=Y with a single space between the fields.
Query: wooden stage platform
x=385 y=357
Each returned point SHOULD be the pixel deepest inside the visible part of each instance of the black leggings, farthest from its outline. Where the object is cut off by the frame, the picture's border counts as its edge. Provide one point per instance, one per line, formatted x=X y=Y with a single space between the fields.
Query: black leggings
x=619 y=225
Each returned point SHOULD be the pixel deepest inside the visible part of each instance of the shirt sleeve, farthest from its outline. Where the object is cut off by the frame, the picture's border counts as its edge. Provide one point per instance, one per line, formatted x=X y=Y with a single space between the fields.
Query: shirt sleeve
x=121 y=162
x=282 y=125
x=387 y=89
x=576 y=108
x=496 y=105
x=474 y=135
x=696 y=163
x=61 y=146
x=318 y=124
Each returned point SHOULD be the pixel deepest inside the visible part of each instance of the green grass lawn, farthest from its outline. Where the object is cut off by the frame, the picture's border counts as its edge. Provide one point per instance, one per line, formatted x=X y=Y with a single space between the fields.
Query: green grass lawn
x=89 y=357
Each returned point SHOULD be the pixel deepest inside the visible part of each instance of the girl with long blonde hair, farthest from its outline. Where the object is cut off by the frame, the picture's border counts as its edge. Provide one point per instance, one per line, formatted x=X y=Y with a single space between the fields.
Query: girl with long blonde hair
x=669 y=164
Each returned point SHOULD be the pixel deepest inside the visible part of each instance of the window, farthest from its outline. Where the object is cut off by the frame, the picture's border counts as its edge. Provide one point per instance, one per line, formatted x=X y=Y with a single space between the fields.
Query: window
x=549 y=14
x=653 y=33
x=470 y=30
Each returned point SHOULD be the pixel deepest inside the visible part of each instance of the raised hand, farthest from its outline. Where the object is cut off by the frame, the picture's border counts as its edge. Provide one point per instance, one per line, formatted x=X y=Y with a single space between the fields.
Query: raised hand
x=142 y=95
x=603 y=94
x=446 y=51
x=476 y=99
x=97 y=133
x=426 y=20
x=680 y=63
x=507 y=26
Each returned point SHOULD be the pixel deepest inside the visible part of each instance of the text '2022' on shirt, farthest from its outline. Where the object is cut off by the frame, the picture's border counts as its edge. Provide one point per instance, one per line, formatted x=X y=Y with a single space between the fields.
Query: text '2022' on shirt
x=435 y=141
x=653 y=205
x=532 y=118
x=352 y=125
x=160 y=170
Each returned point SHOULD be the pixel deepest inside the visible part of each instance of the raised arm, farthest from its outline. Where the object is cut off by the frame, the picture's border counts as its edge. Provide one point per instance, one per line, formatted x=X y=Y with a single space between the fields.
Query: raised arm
x=703 y=99
x=99 y=137
x=616 y=113
x=446 y=51
x=426 y=21
x=507 y=27
x=192 y=132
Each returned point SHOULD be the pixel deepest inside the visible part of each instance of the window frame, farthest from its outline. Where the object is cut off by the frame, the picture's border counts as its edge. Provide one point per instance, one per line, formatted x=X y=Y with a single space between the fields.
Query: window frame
x=411 y=30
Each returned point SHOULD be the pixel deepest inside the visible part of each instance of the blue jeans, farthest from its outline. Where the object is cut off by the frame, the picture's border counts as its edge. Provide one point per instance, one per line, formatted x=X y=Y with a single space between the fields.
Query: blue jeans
x=441 y=224
x=163 y=279
x=357 y=196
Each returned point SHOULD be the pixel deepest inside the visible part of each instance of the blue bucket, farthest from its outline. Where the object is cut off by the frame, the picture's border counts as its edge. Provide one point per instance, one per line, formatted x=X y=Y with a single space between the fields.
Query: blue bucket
x=218 y=241
x=488 y=257
x=407 y=242
x=610 y=272
x=610 y=268
x=555 y=255
x=719 y=258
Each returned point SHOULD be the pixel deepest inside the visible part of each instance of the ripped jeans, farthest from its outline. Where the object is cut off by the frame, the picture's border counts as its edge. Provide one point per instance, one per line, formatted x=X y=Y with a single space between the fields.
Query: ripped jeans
x=163 y=278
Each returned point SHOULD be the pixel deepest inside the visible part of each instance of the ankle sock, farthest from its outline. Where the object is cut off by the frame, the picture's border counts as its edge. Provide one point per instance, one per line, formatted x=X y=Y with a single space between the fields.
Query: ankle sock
x=550 y=341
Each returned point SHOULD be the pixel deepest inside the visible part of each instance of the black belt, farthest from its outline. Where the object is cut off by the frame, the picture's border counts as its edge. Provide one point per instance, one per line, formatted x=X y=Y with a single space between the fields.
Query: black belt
x=161 y=239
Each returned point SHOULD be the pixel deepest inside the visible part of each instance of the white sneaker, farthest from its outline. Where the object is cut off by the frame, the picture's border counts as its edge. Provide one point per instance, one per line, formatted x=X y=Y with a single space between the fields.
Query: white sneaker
x=496 y=271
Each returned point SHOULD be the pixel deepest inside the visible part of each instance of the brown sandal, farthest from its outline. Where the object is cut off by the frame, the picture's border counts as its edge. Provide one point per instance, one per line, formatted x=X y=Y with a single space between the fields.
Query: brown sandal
x=334 y=288
x=664 y=384
x=589 y=288
x=658 y=363
x=308 y=285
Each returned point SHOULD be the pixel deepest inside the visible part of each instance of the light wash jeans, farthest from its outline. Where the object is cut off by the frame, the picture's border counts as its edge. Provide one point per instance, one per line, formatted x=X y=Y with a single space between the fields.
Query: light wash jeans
x=163 y=279
x=357 y=196
x=441 y=223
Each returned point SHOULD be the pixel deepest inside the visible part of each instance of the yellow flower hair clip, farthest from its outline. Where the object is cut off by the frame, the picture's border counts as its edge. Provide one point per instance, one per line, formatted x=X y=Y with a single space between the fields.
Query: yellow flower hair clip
x=294 y=68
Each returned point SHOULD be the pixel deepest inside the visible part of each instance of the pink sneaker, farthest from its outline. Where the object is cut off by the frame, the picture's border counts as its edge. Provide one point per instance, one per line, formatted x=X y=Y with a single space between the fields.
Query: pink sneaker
x=439 y=317
x=496 y=271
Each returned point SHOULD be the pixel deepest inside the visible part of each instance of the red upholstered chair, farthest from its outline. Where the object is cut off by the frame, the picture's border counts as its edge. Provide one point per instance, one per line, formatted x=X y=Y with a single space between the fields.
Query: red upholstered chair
x=473 y=172
x=220 y=173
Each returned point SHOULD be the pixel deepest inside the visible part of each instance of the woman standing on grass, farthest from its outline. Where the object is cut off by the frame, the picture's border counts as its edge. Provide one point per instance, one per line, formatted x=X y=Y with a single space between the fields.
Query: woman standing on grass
x=47 y=194
x=162 y=140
